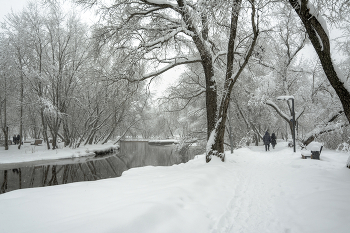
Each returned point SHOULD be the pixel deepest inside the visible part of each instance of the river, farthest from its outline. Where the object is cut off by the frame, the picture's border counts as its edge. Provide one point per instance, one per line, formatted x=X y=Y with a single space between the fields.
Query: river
x=55 y=172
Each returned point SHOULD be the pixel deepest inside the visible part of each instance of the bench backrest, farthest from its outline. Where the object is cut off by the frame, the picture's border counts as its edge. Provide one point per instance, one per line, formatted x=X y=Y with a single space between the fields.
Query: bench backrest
x=314 y=146
x=38 y=141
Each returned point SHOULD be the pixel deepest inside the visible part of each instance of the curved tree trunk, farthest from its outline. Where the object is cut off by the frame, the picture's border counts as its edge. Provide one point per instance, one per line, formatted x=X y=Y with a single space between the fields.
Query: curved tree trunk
x=320 y=40
x=325 y=129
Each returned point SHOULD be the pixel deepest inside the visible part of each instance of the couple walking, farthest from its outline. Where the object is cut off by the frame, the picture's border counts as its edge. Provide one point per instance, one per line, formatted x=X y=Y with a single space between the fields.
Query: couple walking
x=267 y=140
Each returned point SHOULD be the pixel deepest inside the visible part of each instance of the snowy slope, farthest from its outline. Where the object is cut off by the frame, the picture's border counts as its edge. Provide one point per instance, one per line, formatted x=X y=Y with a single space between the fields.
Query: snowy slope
x=253 y=191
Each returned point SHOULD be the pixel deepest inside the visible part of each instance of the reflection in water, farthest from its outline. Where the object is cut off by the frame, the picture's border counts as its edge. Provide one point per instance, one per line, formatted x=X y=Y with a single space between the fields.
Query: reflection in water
x=131 y=154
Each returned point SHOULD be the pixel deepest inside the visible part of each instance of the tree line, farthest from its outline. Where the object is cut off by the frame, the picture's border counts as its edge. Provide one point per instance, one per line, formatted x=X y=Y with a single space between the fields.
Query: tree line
x=237 y=57
x=55 y=84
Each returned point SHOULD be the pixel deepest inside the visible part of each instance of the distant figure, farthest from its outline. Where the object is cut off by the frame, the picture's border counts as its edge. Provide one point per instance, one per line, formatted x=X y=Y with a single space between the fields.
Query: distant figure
x=14 y=139
x=273 y=140
x=267 y=141
x=18 y=139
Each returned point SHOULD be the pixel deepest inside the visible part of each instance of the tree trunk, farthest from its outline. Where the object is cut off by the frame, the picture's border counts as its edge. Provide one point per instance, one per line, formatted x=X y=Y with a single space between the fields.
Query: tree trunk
x=5 y=130
x=207 y=63
x=4 y=127
x=46 y=138
x=215 y=145
x=21 y=112
x=66 y=132
x=320 y=41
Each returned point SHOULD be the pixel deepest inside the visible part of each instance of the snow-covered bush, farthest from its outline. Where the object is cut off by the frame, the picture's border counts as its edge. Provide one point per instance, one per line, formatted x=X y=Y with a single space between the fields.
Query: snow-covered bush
x=344 y=147
x=245 y=141
x=335 y=139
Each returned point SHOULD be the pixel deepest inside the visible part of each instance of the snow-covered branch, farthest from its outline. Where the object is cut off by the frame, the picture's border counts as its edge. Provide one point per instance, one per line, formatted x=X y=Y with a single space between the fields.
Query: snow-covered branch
x=177 y=62
x=328 y=127
x=285 y=97
x=321 y=130
x=164 y=38
x=278 y=110
x=161 y=3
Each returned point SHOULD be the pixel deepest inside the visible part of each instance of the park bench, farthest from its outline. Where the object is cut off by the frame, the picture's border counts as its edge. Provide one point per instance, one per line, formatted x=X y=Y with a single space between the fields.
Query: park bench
x=37 y=142
x=312 y=151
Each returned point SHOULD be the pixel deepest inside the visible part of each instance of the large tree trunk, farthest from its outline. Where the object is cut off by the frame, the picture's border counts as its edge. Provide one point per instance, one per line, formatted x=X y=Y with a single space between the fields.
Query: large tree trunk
x=319 y=38
x=207 y=63
x=210 y=97
x=215 y=145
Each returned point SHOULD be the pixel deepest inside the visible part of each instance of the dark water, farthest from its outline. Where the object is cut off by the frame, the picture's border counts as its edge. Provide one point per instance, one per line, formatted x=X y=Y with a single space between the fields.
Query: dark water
x=63 y=171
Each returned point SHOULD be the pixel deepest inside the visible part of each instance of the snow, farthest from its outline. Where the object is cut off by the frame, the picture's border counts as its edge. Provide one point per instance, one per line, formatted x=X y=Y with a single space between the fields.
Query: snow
x=165 y=38
x=161 y=2
x=164 y=140
x=212 y=137
x=177 y=61
x=278 y=109
x=314 y=146
x=285 y=97
x=31 y=153
x=329 y=127
x=319 y=39
x=342 y=77
x=253 y=191
x=318 y=16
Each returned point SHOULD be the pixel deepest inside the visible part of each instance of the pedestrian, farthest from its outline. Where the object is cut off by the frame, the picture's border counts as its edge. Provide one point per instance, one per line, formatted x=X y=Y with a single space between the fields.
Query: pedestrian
x=18 y=139
x=273 y=140
x=267 y=141
x=14 y=139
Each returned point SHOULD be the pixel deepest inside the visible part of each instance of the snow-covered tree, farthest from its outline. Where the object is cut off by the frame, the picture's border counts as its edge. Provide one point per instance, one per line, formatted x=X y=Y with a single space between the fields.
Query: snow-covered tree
x=316 y=28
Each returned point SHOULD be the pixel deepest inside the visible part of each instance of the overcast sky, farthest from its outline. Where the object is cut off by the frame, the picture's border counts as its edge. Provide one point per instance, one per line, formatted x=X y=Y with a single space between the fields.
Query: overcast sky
x=7 y=5
x=17 y=5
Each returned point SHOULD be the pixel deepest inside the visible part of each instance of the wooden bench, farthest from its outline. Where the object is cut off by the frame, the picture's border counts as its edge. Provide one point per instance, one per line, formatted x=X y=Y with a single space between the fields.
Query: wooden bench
x=312 y=151
x=37 y=142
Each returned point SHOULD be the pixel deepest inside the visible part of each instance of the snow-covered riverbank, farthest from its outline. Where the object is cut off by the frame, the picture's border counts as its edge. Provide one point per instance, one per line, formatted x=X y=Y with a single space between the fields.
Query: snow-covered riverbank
x=32 y=153
x=253 y=191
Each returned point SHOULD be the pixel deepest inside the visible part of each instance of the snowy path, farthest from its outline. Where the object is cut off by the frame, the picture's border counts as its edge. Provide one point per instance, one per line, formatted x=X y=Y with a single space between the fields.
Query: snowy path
x=276 y=191
x=251 y=207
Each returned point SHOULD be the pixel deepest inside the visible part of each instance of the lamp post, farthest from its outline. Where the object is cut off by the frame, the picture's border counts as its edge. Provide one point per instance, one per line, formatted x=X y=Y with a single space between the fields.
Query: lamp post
x=293 y=114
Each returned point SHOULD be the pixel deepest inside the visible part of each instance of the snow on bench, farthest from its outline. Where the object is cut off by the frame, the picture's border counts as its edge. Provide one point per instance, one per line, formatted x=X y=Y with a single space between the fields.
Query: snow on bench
x=313 y=151
x=37 y=142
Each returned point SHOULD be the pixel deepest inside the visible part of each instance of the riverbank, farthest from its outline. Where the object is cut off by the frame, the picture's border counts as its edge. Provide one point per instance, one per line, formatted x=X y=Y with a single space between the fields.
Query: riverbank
x=253 y=191
x=32 y=153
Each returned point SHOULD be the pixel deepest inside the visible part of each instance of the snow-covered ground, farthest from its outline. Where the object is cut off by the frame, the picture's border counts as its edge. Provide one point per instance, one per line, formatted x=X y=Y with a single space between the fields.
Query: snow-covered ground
x=253 y=191
x=31 y=153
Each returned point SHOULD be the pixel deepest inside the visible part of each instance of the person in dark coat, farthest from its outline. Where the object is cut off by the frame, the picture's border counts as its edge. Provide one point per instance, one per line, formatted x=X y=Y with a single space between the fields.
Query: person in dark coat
x=18 y=139
x=14 y=139
x=267 y=141
x=273 y=140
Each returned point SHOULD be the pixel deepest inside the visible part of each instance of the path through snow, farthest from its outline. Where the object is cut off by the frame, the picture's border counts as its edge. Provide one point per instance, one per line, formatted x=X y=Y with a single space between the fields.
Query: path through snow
x=251 y=207
x=276 y=191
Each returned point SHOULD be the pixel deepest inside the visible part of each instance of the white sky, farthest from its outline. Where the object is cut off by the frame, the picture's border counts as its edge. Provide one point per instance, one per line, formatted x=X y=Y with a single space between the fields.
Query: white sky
x=7 y=5
x=17 y=5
